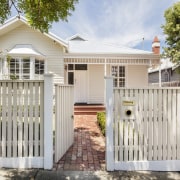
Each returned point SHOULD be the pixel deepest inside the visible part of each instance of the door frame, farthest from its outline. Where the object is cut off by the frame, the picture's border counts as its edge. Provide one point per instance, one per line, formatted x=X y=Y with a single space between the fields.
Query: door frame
x=82 y=88
x=74 y=68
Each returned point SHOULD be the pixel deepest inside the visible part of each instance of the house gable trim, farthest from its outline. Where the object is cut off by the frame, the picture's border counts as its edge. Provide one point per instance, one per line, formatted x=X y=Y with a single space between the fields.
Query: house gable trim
x=19 y=20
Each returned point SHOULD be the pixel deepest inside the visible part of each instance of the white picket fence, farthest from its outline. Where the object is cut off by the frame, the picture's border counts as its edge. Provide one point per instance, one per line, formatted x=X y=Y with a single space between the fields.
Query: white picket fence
x=143 y=128
x=26 y=123
x=64 y=124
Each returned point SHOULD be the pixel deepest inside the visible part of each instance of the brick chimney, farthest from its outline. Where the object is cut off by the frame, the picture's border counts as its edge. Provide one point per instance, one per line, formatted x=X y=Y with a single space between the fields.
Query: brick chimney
x=156 y=45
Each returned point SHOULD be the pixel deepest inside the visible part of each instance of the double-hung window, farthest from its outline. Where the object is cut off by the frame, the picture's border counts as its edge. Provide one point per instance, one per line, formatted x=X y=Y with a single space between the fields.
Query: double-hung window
x=118 y=73
x=26 y=68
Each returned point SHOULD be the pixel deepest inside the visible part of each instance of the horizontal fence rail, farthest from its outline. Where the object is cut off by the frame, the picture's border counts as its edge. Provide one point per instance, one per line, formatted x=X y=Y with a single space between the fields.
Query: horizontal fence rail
x=21 y=122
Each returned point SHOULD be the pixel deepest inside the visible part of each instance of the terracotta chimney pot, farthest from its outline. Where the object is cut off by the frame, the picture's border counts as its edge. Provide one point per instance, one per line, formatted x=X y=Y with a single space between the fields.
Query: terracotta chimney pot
x=156 y=45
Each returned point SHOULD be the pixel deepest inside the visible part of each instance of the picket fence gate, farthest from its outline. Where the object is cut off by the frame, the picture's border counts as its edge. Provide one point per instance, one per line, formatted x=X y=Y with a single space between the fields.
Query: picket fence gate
x=143 y=128
x=64 y=119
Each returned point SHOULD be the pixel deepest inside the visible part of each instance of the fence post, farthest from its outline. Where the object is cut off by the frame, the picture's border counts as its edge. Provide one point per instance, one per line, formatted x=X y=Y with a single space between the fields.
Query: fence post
x=109 y=124
x=48 y=120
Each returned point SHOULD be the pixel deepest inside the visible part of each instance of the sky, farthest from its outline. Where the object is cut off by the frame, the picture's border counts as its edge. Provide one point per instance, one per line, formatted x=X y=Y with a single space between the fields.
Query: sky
x=117 y=22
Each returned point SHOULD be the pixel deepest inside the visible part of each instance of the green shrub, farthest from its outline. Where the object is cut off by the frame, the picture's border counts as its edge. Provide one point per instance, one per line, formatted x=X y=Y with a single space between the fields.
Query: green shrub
x=101 y=119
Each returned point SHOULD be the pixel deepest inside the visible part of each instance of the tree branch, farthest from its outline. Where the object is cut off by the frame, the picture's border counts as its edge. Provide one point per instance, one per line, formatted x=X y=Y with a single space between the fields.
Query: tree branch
x=14 y=4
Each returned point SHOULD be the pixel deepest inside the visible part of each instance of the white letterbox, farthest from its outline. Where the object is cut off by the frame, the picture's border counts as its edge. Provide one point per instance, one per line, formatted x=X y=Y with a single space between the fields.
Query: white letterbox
x=128 y=107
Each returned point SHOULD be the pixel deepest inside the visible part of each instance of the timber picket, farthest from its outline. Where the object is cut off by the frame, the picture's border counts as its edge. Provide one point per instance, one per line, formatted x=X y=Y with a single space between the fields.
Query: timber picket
x=131 y=121
x=26 y=118
x=174 y=137
x=9 y=125
x=116 y=134
x=150 y=132
x=155 y=125
x=121 y=132
x=41 y=121
x=169 y=125
x=178 y=125
x=4 y=108
x=145 y=120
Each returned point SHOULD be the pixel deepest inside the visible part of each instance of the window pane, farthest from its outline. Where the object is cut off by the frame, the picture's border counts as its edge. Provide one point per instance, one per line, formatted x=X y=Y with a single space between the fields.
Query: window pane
x=118 y=72
x=121 y=82
x=121 y=71
x=70 y=77
x=80 y=66
x=26 y=65
x=14 y=68
x=70 y=66
x=25 y=68
x=115 y=83
x=39 y=67
x=114 y=71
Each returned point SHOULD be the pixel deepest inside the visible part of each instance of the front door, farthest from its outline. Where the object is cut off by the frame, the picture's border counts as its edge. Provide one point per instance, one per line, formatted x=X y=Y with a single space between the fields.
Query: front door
x=80 y=86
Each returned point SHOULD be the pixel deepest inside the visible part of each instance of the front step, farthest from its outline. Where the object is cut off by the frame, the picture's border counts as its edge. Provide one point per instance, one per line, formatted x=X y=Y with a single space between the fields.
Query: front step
x=88 y=109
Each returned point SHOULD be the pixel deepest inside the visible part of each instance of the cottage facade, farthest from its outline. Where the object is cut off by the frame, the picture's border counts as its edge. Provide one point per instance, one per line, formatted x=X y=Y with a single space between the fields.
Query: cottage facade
x=28 y=54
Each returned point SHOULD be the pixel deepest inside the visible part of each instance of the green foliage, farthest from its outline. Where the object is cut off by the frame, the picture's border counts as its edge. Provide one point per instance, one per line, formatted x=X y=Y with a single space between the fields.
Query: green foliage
x=171 y=29
x=39 y=13
x=101 y=119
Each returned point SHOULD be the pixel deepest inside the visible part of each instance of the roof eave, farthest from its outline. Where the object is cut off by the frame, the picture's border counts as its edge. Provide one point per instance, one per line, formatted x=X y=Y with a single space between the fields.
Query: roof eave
x=113 y=55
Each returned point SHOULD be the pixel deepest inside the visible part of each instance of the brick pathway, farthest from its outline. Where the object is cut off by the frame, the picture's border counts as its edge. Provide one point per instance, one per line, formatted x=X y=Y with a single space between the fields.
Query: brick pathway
x=88 y=149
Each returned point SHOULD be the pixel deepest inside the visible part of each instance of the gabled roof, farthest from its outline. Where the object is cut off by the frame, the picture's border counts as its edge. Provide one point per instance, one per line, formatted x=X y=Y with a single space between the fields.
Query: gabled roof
x=79 y=45
x=16 y=21
x=76 y=37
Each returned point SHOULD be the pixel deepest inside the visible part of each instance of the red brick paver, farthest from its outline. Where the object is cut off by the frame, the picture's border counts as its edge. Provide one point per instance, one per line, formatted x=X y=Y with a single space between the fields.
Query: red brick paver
x=88 y=149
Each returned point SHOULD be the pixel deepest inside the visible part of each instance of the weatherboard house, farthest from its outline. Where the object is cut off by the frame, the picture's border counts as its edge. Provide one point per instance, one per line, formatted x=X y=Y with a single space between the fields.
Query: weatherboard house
x=26 y=53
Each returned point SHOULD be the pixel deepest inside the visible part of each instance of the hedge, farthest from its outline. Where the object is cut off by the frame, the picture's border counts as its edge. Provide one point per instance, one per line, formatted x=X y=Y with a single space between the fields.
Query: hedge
x=101 y=119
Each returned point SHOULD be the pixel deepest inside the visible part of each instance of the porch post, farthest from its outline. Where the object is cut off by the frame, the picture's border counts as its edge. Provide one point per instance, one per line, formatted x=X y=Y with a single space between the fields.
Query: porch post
x=48 y=119
x=109 y=124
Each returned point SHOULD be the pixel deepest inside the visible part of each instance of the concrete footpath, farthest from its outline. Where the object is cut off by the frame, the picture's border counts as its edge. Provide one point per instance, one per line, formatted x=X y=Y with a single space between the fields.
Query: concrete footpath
x=37 y=174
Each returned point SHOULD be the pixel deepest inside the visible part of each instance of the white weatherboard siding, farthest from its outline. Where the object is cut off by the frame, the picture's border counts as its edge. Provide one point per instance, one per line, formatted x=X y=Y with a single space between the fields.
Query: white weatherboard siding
x=137 y=76
x=52 y=51
x=96 y=84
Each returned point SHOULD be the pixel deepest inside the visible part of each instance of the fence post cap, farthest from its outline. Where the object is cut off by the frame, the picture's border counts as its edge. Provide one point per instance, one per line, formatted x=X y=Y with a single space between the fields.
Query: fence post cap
x=49 y=74
x=108 y=77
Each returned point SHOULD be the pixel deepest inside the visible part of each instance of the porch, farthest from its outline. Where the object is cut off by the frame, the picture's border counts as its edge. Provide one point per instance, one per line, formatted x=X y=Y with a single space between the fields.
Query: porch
x=87 y=73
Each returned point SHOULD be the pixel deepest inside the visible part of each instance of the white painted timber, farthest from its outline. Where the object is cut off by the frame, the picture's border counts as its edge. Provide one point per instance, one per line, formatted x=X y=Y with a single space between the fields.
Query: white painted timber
x=48 y=120
x=21 y=121
x=150 y=141
x=96 y=84
x=64 y=122
x=109 y=124
x=22 y=162
x=167 y=165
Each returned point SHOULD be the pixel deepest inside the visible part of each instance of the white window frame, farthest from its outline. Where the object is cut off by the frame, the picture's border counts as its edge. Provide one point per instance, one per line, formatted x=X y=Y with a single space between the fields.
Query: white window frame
x=38 y=75
x=117 y=76
x=31 y=74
